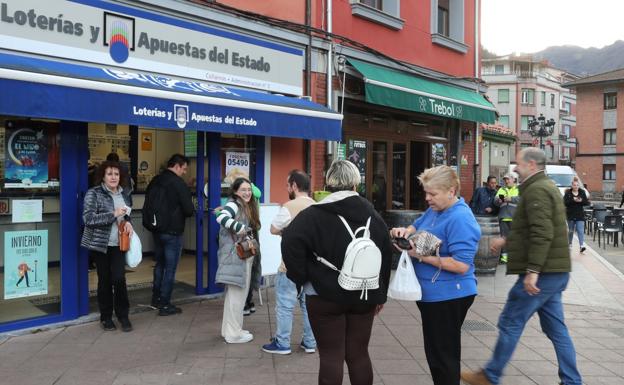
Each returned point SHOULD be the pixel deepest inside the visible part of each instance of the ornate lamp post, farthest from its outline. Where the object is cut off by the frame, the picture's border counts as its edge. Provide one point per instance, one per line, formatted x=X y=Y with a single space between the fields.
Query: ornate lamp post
x=541 y=128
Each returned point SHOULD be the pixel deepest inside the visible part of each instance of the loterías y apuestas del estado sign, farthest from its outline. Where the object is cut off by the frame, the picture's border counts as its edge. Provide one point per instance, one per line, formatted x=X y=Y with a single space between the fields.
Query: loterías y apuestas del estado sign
x=128 y=37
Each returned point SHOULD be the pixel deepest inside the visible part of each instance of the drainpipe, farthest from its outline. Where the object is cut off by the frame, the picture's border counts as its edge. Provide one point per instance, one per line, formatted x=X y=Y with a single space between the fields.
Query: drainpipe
x=477 y=76
x=330 y=144
x=308 y=74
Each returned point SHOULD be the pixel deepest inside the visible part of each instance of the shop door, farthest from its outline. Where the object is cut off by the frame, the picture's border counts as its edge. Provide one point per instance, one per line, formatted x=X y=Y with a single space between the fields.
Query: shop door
x=420 y=156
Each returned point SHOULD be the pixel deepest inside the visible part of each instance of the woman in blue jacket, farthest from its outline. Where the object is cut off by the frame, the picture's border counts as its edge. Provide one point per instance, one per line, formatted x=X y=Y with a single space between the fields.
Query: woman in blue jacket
x=448 y=282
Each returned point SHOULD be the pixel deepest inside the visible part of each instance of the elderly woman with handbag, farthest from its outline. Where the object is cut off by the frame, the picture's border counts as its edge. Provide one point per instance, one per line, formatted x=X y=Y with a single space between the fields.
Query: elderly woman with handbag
x=107 y=229
x=238 y=247
x=448 y=282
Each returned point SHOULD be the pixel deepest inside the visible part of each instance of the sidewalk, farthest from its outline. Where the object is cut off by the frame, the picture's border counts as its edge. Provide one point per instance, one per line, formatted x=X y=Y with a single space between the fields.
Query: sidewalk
x=188 y=349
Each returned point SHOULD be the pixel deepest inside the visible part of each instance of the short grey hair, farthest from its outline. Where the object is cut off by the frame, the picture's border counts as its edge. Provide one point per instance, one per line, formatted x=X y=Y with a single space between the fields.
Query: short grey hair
x=342 y=175
x=534 y=154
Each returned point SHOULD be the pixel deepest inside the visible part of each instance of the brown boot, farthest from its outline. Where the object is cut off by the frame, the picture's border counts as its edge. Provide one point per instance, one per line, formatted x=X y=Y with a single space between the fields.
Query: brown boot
x=475 y=378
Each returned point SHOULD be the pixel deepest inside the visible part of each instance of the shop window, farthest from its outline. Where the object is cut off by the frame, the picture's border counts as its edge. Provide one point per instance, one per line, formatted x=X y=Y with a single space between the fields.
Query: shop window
x=29 y=219
x=238 y=157
x=608 y=172
x=610 y=100
x=380 y=172
x=610 y=137
x=503 y=95
x=356 y=153
x=447 y=24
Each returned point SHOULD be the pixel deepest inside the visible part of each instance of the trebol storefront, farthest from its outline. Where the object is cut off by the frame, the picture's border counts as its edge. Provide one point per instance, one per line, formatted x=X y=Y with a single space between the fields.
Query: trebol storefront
x=82 y=79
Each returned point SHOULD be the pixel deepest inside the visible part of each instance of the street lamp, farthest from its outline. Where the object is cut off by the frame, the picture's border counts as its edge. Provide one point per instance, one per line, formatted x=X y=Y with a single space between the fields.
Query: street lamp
x=541 y=128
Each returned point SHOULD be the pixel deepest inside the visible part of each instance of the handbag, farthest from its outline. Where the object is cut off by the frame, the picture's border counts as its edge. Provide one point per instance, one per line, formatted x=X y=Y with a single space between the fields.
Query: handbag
x=247 y=247
x=426 y=243
x=124 y=236
x=404 y=285
x=134 y=255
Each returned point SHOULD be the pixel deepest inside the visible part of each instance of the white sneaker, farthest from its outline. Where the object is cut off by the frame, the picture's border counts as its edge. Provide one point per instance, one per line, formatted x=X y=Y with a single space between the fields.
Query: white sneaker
x=245 y=331
x=243 y=338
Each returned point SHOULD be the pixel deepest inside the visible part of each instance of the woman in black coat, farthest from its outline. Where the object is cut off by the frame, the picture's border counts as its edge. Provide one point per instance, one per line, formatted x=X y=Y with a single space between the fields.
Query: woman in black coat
x=574 y=200
x=341 y=320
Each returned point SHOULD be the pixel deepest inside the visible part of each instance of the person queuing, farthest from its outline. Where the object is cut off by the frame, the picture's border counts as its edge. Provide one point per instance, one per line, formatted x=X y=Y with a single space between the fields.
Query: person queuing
x=105 y=205
x=506 y=200
x=574 y=200
x=448 y=282
x=341 y=320
x=482 y=202
x=539 y=254
x=239 y=216
x=286 y=295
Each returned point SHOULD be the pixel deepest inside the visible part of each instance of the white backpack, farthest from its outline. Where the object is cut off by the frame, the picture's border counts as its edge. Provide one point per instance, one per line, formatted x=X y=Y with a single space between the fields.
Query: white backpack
x=362 y=262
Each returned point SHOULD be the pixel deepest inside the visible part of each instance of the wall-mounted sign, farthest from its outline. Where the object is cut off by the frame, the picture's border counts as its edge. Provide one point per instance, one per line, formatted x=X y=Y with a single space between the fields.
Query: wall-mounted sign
x=26 y=158
x=236 y=163
x=27 y=211
x=120 y=35
x=25 y=263
x=146 y=141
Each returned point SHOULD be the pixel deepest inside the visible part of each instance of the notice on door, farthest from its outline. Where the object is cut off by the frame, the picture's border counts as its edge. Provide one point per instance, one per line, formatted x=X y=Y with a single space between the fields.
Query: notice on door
x=25 y=263
x=237 y=163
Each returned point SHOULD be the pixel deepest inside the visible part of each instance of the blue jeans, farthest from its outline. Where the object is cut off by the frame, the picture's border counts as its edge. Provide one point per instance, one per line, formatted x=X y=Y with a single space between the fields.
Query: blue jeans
x=579 y=226
x=286 y=298
x=518 y=310
x=167 y=250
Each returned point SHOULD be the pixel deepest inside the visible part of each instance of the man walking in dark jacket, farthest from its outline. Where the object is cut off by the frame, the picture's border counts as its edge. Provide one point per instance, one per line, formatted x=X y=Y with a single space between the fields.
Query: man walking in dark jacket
x=168 y=241
x=539 y=254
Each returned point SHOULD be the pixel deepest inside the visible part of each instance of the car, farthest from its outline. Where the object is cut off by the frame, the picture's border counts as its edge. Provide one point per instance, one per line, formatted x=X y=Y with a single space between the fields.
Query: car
x=561 y=175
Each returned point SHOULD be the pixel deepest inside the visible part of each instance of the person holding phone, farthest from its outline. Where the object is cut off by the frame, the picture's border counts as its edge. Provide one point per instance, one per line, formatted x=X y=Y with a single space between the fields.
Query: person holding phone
x=507 y=198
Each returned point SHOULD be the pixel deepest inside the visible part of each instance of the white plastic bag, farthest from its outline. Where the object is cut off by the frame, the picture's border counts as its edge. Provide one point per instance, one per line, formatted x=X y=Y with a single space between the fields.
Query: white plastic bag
x=134 y=255
x=404 y=285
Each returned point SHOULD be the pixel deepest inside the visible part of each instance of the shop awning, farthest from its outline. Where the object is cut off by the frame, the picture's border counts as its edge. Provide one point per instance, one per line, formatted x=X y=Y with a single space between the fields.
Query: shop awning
x=401 y=90
x=42 y=88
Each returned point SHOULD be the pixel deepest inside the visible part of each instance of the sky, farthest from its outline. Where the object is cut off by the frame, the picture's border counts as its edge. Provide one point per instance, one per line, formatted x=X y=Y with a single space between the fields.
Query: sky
x=529 y=26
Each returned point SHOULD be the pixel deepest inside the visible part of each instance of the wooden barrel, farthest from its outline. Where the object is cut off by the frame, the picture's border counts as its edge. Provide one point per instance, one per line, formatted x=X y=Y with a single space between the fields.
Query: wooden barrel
x=399 y=218
x=485 y=261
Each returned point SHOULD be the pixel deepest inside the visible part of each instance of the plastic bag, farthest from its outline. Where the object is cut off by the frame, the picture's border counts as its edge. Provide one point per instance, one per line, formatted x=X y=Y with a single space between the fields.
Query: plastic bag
x=404 y=285
x=134 y=255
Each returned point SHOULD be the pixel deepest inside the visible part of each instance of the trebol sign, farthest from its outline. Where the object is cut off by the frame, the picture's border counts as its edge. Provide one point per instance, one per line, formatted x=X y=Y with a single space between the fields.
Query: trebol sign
x=115 y=34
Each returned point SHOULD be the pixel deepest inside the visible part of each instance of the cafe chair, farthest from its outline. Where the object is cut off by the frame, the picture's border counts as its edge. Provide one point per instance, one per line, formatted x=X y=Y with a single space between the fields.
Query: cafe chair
x=612 y=226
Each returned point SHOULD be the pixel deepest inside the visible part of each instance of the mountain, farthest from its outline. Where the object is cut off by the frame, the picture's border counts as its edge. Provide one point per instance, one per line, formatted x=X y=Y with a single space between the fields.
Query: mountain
x=585 y=61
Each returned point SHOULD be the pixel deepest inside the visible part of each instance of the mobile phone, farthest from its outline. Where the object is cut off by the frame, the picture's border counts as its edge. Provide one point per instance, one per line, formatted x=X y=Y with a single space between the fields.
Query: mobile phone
x=501 y=197
x=402 y=243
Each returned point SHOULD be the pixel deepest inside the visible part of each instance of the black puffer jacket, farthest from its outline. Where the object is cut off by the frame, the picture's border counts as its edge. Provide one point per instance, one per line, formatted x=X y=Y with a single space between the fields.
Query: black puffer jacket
x=574 y=210
x=319 y=229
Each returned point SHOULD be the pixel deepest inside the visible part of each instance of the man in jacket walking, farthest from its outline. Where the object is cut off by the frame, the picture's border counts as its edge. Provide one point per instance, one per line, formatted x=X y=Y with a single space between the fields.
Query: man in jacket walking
x=539 y=254
x=286 y=296
x=168 y=241
x=506 y=200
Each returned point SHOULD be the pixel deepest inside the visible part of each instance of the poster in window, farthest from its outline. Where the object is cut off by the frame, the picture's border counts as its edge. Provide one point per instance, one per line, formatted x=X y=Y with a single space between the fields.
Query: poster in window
x=237 y=163
x=356 y=154
x=438 y=154
x=26 y=157
x=25 y=263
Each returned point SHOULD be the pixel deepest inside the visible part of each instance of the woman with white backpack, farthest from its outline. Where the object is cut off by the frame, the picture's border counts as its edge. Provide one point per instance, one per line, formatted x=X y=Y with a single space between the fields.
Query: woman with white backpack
x=339 y=251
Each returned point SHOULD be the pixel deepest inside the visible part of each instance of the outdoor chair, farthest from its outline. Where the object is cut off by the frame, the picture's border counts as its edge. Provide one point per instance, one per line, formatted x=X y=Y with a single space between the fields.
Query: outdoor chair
x=612 y=225
x=598 y=218
x=588 y=215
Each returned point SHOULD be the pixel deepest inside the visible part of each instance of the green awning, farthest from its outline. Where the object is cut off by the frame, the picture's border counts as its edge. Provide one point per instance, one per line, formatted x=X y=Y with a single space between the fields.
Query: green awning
x=401 y=90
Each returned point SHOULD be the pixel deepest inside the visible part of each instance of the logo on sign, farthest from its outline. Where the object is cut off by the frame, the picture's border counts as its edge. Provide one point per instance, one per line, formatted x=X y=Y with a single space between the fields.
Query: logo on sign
x=118 y=36
x=181 y=113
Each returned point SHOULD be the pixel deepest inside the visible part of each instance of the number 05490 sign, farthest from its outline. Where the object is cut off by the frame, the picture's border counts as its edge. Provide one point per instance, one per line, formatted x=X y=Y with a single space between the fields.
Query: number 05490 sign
x=237 y=160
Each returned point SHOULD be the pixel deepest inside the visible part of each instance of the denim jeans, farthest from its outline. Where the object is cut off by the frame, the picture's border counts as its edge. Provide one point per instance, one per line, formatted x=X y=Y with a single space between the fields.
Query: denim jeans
x=286 y=298
x=167 y=252
x=518 y=310
x=579 y=226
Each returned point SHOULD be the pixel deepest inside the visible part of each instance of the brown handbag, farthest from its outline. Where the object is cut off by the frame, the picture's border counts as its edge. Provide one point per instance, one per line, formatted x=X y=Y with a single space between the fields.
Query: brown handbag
x=247 y=247
x=124 y=236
